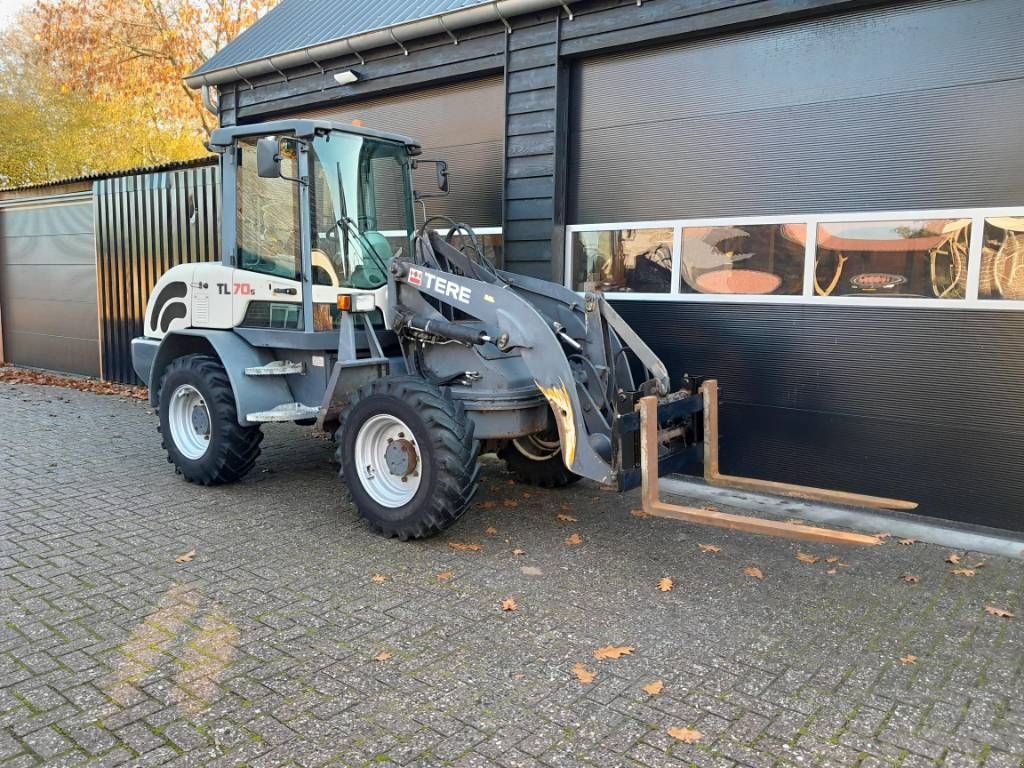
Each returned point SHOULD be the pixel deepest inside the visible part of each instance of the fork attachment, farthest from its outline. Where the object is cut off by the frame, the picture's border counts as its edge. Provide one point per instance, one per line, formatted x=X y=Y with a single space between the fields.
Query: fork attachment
x=653 y=438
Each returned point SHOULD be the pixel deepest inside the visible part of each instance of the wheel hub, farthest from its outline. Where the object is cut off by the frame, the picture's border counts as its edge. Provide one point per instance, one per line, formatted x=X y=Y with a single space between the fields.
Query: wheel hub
x=201 y=420
x=400 y=456
x=189 y=420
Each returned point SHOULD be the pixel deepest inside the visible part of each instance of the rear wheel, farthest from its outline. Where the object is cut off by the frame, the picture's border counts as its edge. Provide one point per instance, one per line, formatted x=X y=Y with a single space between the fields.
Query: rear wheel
x=537 y=460
x=408 y=456
x=199 y=423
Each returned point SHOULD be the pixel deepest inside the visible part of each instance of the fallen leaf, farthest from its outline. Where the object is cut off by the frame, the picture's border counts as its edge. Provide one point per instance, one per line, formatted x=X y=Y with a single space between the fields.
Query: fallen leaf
x=907 y=542
x=654 y=689
x=612 y=652
x=462 y=546
x=574 y=540
x=686 y=735
x=490 y=504
x=639 y=513
x=510 y=503
x=911 y=579
x=583 y=674
x=567 y=518
x=509 y=604
x=14 y=375
x=754 y=571
x=832 y=559
x=186 y=557
x=996 y=611
x=909 y=659
x=796 y=521
x=518 y=551
x=665 y=584
x=445 y=575
x=963 y=571
x=712 y=548
x=382 y=656
x=953 y=558
x=883 y=535
x=378 y=578
x=803 y=557
x=832 y=571
x=491 y=531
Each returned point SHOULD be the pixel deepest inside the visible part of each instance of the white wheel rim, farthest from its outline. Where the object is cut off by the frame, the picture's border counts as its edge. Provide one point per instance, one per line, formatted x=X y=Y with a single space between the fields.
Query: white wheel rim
x=189 y=419
x=391 y=477
x=536 y=448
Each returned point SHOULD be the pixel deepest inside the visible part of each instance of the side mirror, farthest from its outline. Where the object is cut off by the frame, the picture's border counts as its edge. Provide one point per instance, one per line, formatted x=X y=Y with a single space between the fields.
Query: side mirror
x=268 y=158
x=442 y=175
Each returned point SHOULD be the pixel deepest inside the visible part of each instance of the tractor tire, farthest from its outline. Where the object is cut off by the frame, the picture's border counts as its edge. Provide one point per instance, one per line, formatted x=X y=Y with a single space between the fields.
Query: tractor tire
x=199 y=424
x=537 y=460
x=408 y=456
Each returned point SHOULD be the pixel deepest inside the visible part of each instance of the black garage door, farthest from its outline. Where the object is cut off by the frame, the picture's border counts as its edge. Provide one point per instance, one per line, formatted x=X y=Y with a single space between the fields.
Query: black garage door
x=463 y=124
x=48 y=286
x=915 y=106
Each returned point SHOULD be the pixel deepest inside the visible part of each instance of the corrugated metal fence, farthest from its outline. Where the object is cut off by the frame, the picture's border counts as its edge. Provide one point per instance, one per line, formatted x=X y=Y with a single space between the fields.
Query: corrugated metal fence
x=146 y=224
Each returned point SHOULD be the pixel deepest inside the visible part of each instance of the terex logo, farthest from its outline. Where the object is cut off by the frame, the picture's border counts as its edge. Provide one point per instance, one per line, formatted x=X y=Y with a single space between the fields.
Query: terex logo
x=439 y=285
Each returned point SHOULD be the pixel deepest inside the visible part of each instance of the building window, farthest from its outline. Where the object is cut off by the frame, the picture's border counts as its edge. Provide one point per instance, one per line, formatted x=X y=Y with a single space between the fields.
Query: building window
x=623 y=260
x=1002 y=259
x=893 y=259
x=756 y=259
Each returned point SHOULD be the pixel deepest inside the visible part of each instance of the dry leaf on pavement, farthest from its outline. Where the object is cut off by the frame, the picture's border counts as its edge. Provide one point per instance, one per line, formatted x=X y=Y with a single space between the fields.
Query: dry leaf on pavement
x=909 y=659
x=832 y=559
x=567 y=518
x=654 y=689
x=963 y=571
x=518 y=551
x=712 y=548
x=186 y=557
x=574 y=540
x=445 y=575
x=491 y=531
x=907 y=542
x=461 y=546
x=612 y=652
x=489 y=504
x=382 y=656
x=510 y=503
x=686 y=735
x=1002 y=613
x=911 y=579
x=953 y=558
x=753 y=571
x=638 y=513
x=583 y=674
x=509 y=604
x=665 y=584
x=378 y=578
x=803 y=557
x=883 y=535
x=832 y=571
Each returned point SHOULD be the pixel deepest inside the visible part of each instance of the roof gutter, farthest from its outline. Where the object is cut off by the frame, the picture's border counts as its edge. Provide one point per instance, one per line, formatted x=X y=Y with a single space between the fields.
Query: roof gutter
x=442 y=23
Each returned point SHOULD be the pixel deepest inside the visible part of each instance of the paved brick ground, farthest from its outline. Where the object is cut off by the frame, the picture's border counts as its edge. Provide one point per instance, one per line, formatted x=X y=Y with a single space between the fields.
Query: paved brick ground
x=261 y=651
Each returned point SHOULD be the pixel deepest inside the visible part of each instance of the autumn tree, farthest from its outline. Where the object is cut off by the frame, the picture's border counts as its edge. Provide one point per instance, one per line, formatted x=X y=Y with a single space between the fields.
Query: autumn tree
x=96 y=85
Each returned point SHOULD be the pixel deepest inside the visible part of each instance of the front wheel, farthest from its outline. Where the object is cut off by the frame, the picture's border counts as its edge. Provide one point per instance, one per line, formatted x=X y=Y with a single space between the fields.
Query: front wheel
x=537 y=460
x=408 y=456
x=199 y=423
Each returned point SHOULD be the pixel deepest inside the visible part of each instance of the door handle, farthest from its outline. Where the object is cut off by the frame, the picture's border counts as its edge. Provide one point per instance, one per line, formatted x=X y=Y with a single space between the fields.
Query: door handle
x=287 y=291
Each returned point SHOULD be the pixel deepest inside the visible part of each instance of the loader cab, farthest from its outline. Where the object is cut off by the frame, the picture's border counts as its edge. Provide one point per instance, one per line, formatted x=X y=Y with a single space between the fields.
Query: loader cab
x=312 y=209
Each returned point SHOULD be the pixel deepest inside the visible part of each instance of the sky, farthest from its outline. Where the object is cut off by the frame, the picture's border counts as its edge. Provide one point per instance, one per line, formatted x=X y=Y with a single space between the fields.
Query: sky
x=8 y=10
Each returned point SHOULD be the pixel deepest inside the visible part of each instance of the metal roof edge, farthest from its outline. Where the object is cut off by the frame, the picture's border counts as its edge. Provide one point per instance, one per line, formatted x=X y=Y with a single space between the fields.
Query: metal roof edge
x=177 y=165
x=440 y=23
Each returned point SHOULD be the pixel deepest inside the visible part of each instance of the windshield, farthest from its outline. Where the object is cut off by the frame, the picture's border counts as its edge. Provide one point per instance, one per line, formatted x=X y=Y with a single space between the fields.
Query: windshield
x=360 y=204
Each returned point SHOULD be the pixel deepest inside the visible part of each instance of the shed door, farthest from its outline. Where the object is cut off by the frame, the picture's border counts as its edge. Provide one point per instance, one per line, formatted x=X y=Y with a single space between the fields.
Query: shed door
x=908 y=106
x=463 y=124
x=48 y=287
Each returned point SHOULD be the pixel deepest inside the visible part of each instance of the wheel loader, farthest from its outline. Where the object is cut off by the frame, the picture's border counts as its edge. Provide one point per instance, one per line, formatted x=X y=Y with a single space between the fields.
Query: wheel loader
x=339 y=304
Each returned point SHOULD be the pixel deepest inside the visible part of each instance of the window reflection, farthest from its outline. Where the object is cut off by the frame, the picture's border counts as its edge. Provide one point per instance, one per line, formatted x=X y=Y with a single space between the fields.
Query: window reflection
x=1002 y=259
x=623 y=260
x=743 y=259
x=903 y=259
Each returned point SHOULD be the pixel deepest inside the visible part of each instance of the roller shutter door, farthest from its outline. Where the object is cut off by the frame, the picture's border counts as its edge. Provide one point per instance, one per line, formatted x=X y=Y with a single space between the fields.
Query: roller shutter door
x=910 y=106
x=463 y=124
x=48 y=287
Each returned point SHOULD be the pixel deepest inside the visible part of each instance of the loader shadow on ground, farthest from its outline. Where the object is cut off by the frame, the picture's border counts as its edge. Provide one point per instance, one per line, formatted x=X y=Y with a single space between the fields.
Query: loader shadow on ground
x=277 y=645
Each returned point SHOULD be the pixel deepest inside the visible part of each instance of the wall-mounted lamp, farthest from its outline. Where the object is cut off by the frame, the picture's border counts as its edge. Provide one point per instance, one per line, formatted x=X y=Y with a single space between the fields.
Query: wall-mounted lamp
x=346 y=78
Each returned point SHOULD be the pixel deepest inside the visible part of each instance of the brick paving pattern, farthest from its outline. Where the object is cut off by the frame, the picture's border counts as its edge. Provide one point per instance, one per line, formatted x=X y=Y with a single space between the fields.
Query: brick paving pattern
x=263 y=649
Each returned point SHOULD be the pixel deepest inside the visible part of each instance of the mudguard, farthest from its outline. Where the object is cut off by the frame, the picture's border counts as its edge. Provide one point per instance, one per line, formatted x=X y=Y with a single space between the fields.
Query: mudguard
x=252 y=393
